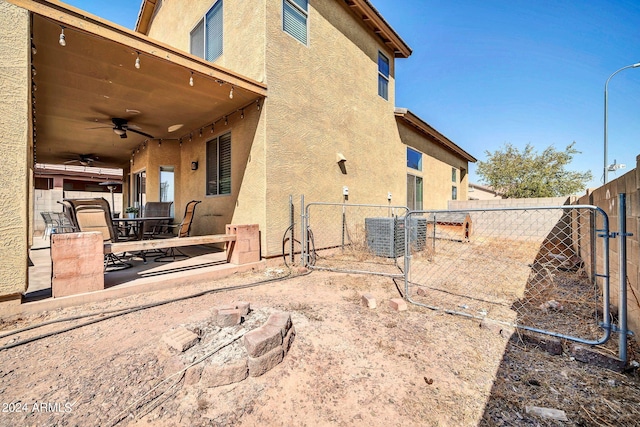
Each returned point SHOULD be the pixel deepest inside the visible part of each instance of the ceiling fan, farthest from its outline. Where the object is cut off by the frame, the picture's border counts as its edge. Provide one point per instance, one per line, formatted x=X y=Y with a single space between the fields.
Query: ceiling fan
x=84 y=160
x=121 y=126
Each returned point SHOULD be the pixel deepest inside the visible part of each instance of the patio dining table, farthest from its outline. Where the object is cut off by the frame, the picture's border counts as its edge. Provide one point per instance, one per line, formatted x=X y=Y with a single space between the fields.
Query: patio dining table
x=134 y=227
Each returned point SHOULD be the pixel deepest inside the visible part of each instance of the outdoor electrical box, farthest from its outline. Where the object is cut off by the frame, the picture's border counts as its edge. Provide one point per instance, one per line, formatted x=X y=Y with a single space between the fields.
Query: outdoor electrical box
x=345 y=191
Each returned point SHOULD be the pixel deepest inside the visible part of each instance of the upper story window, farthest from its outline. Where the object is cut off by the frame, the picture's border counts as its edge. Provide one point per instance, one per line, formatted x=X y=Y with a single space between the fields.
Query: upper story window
x=454 y=175
x=383 y=76
x=206 y=37
x=414 y=159
x=294 y=18
x=219 y=165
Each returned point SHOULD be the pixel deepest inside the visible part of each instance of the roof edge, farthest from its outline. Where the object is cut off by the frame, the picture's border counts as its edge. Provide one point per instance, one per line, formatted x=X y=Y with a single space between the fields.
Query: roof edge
x=411 y=119
x=147 y=10
x=374 y=19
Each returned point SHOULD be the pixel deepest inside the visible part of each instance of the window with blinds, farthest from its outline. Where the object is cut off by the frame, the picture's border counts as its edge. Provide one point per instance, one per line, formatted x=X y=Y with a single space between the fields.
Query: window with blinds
x=383 y=76
x=219 y=165
x=207 y=36
x=294 y=18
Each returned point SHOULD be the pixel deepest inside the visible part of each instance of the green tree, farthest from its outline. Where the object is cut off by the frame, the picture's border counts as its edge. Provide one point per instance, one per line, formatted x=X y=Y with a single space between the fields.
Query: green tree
x=522 y=174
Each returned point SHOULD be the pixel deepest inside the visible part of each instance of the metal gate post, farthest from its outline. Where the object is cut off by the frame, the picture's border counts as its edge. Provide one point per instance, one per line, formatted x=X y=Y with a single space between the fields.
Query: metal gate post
x=622 y=299
x=303 y=232
x=407 y=256
x=292 y=221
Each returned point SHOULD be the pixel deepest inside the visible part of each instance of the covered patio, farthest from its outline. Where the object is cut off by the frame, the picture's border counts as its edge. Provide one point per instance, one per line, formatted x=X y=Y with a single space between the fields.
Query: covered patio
x=108 y=96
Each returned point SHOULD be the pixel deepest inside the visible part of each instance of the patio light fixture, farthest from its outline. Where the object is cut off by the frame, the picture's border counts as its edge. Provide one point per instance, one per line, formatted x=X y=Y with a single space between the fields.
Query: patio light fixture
x=231 y=93
x=137 y=65
x=62 y=41
x=191 y=80
x=242 y=113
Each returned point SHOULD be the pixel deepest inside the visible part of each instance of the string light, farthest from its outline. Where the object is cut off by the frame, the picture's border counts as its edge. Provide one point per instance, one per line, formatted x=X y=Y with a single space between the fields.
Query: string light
x=242 y=113
x=159 y=142
x=231 y=93
x=212 y=126
x=138 y=61
x=62 y=41
x=33 y=48
x=258 y=104
x=200 y=132
x=190 y=137
x=191 y=80
x=226 y=122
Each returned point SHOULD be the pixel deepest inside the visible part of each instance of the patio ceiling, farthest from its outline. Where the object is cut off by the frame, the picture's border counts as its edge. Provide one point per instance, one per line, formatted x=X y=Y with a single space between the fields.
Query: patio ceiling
x=80 y=87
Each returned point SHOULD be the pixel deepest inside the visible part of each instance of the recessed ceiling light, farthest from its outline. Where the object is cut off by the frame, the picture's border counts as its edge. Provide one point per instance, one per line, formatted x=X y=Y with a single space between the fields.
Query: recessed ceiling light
x=130 y=111
x=174 y=128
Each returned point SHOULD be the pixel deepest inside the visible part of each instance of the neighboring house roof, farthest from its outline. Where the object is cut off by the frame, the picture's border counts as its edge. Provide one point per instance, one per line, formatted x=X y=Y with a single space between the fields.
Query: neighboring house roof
x=363 y=8
x=485 y=188
x=87 y=173
x=411 y=119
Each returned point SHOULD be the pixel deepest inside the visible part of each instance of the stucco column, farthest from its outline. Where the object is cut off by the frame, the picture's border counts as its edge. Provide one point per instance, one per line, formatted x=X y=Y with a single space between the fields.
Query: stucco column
x=14 y=143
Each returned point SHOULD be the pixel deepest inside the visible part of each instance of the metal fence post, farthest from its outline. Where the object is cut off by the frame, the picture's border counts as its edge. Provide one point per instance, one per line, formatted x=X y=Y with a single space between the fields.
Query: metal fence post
x=622 y=303
x=407 y=256
x=303 y=232
x=293 y=229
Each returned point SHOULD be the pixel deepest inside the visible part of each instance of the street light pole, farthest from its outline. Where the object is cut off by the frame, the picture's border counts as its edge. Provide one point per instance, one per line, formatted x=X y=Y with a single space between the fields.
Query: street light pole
x=606 y=107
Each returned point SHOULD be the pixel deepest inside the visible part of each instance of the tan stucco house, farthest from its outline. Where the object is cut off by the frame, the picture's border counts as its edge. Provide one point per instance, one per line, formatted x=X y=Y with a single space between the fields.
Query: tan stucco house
x=243 y=103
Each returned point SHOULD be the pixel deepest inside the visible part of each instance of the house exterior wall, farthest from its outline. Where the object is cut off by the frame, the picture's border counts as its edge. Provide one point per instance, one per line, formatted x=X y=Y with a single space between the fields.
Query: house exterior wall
x=437 y=162
x=15 y=140
x=323 y=100
x=244 y=34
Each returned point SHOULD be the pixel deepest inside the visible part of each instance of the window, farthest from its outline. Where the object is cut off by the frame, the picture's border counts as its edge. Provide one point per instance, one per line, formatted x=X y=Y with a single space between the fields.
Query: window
x=139 y=189
x=206 y=37
x=414 y=159
x=167 y=185
x=454 y=175
x=294 y=18
x=454 y=193
x=219 y=165
x=383 y=76
x=414 y=193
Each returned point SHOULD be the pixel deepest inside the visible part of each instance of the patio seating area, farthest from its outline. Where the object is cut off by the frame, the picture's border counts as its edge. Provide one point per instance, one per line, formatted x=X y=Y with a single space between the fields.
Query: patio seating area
x=205 y=262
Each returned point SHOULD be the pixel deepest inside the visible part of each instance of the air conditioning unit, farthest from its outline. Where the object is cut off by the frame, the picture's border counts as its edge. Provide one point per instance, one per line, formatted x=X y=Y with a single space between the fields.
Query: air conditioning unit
x=385 y=236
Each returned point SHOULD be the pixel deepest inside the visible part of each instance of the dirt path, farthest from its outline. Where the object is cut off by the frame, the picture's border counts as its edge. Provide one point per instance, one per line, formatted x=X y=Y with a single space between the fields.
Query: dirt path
x=349 y=365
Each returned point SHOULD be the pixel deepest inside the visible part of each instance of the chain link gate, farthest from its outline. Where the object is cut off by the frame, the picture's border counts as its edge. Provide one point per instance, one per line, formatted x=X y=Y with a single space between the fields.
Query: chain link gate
x=535 y=268
x=350 y=238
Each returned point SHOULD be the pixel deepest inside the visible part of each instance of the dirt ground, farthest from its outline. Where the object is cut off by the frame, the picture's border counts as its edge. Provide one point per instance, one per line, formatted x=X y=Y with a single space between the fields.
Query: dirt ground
x=349 y=365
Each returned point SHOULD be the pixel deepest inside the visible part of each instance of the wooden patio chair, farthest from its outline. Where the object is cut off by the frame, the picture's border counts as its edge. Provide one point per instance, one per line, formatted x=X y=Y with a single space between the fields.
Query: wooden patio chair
x=183 y=230
x=95 y=215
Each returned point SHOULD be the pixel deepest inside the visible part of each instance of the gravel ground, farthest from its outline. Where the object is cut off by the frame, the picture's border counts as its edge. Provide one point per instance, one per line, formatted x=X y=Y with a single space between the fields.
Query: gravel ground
x=348 y=365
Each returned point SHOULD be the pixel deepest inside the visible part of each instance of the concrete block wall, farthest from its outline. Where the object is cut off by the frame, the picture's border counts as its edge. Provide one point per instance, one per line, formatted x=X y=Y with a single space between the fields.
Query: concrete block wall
x=606 y=198
x=508 y=224
x=47 y=201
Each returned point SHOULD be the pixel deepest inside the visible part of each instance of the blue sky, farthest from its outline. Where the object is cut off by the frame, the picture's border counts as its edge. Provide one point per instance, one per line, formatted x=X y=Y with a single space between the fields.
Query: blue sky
x=485 y=73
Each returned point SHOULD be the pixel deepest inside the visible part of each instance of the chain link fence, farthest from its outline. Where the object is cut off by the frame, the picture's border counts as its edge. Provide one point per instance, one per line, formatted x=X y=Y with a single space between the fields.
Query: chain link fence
x=534 y=268
x=356 y=238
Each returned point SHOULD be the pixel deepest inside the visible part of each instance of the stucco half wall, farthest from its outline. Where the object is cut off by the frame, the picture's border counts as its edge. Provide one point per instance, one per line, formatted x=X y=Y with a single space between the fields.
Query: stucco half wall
x=14 y=133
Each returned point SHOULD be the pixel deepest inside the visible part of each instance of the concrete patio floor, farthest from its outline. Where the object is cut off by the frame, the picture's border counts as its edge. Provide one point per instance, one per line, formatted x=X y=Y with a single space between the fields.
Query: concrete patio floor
x=205 y=262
